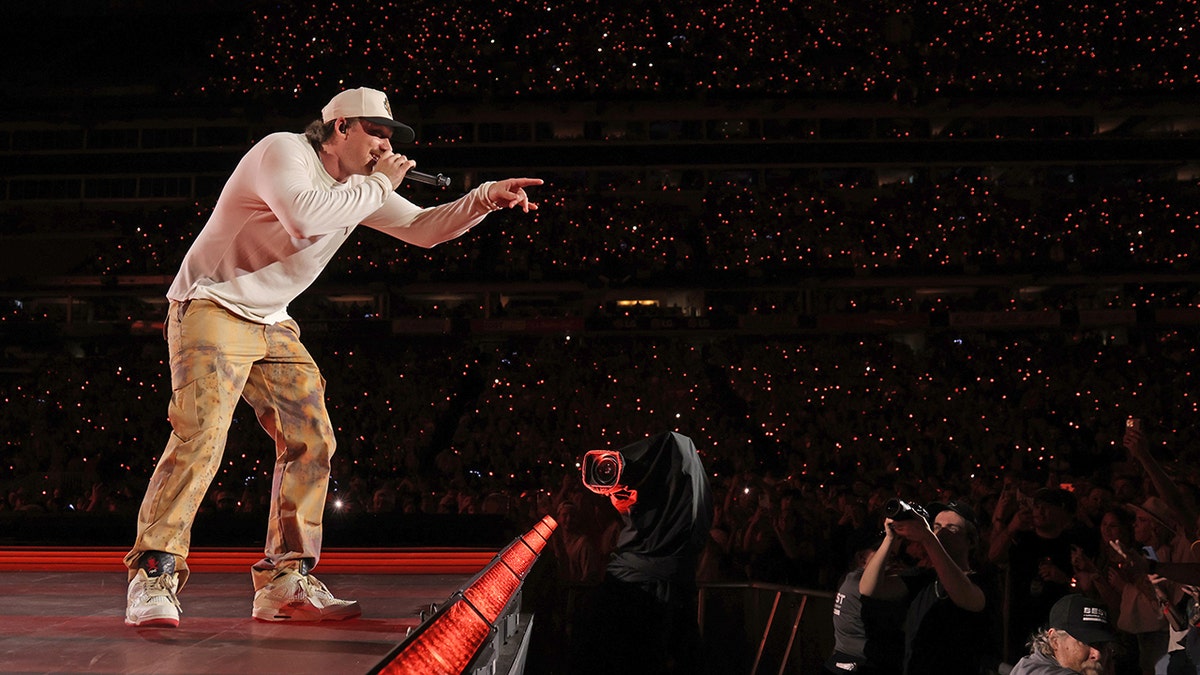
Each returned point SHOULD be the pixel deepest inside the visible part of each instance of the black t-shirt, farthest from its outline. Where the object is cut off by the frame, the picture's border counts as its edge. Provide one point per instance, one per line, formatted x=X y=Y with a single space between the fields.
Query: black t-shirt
x=944 y=638
x=1031 y=596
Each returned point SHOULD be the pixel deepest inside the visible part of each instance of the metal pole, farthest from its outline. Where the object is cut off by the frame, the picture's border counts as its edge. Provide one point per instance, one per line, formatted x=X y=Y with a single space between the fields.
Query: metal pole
x=762 y=644
x=787 y=653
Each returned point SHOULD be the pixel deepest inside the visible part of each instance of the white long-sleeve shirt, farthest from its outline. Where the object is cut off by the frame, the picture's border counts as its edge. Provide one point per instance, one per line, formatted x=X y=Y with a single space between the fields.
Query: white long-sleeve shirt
x=281 y=218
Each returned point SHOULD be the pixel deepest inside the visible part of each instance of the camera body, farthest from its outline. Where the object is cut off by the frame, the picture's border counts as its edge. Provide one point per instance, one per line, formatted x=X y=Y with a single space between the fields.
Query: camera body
x=898 y=509
x=602 y=471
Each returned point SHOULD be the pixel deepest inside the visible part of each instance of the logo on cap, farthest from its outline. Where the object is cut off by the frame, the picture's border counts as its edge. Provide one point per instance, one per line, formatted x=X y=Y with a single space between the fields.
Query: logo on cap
x=1096 y=614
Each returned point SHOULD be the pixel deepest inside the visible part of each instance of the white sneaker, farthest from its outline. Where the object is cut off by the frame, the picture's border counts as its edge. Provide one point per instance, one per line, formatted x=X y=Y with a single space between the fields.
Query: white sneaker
x=150 y=601
x=292 y=596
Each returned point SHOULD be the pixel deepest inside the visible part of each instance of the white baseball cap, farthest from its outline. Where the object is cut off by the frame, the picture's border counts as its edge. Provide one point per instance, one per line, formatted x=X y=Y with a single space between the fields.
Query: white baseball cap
x=369 y=104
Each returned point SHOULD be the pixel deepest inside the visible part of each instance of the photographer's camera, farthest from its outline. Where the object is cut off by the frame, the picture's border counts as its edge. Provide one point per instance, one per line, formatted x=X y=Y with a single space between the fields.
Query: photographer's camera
x=898 y=509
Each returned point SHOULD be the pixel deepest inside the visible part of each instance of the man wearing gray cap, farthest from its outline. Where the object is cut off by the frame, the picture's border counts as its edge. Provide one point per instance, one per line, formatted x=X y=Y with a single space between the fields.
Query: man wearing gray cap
x=292 y=200
x=1075 y=640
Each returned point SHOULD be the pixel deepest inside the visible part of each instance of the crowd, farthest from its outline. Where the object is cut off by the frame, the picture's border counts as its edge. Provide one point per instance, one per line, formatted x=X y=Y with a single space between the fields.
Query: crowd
x=513 y=415
x=964 y=224
x=890 y=49
x=805 y=440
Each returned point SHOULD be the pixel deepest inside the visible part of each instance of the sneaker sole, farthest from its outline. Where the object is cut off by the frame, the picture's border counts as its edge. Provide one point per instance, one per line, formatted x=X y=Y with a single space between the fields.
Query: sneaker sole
x=164 y=622
x=272 y=615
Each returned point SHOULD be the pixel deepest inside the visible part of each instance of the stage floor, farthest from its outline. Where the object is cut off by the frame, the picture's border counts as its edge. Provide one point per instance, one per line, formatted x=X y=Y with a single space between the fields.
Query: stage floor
x=73 y=622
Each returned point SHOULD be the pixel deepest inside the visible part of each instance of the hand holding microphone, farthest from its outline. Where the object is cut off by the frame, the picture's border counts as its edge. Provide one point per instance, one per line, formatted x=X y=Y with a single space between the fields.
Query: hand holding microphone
x=393 y=166
x=508 y=193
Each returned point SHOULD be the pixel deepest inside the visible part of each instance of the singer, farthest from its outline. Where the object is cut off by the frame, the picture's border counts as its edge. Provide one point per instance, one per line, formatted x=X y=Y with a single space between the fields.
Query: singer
x=289 y=204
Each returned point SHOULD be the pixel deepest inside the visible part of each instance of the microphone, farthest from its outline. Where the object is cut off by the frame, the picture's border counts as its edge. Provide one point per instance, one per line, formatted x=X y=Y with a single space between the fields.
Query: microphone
x=439 y=180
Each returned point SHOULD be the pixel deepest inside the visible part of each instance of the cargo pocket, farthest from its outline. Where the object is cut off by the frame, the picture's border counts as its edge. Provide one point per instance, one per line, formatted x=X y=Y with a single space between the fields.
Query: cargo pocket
x=199 y=405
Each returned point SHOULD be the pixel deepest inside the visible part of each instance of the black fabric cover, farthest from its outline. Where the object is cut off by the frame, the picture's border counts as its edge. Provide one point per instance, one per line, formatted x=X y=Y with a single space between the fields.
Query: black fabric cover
x=664 y=532
x=641 y=620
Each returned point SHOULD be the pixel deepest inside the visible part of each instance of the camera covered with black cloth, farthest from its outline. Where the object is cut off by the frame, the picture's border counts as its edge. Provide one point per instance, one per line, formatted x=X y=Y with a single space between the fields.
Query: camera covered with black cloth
x=642 y=616
x=660 y=487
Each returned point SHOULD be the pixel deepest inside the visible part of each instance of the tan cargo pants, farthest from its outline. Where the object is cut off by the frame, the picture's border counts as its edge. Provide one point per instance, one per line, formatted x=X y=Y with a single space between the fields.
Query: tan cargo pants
x=217 y=358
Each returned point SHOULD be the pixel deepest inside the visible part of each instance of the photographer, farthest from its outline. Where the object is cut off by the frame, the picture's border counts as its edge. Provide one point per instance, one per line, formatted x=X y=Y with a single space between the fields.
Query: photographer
x=947 y=629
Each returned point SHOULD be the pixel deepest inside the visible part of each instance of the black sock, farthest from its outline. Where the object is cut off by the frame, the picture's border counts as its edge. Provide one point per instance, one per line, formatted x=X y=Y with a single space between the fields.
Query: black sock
x=157 y=563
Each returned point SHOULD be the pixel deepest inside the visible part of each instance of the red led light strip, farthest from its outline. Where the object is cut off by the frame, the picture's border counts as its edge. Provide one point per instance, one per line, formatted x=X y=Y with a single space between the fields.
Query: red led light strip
x=451 y=639
x=519 y=558
x=446 y=646
x=491 y=593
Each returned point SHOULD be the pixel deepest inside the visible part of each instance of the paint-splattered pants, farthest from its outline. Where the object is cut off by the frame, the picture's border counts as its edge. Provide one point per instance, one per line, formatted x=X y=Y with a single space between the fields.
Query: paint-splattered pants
x=217 y=358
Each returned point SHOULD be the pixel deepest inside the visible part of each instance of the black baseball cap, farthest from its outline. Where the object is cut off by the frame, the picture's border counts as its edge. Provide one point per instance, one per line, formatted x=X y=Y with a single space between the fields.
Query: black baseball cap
x=1085 y=619
x=961 y=508
x=1054 y=496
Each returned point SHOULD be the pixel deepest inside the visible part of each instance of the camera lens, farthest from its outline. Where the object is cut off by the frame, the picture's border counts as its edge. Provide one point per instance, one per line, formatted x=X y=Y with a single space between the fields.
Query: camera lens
x=898 y=509
x=602 y=471
x=605 y=471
